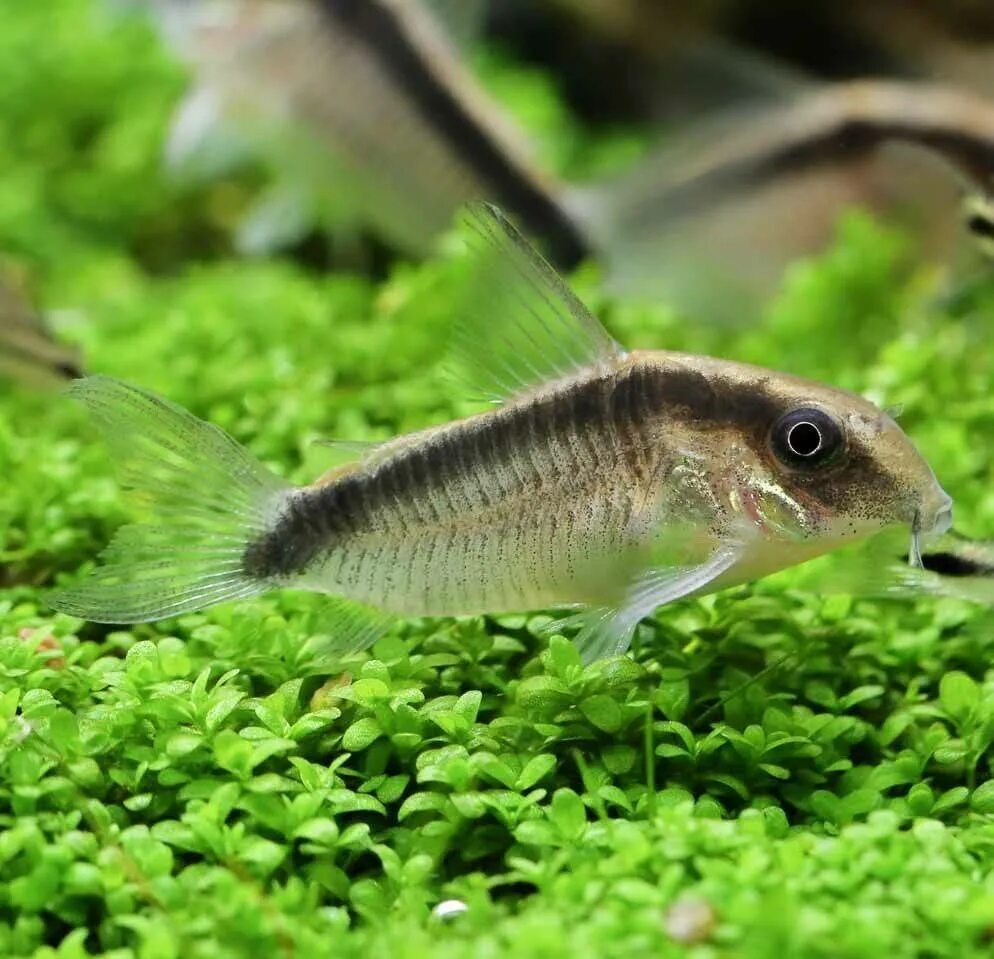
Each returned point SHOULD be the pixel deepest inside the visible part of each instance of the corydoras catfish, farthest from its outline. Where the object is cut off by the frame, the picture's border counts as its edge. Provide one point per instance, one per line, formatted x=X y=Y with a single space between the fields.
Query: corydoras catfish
x=604 y=482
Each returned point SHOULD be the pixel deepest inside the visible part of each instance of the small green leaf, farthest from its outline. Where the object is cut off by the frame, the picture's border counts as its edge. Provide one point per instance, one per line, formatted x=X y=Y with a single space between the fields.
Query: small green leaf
x=361 y=734
x=861 y=801
x=542 y=694
x=826 y=806
x=776 y=822
x=860 y=694
x=920 y=799
x=613 y=794
x=345 y=800
x=83 y=879
x=223 y=702
x=619 y=759
x=233 y=753
x=951 y=752
x=958 y=694
x=732 y=782
x=468 y=804
x=262 y=853
x=366 y=692
x=686 y=736
x=950 y=799
x=982 y=800
x=422 y=802
x=536 y=769
x=673 y=698
x=468 y=705
x=324 y=831
x=537 y=832
x=603 y=711
x=392 y=788
x=777 y=772
x=568 y=814
x=564 y=657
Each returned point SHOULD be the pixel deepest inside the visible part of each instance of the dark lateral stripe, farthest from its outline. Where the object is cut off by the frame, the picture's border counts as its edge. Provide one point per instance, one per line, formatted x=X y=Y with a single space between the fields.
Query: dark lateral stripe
x=316 y=519
x=374 y=24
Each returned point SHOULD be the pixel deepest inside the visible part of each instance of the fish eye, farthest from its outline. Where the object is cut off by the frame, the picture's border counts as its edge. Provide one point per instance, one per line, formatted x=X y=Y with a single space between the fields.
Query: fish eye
x=806 y=438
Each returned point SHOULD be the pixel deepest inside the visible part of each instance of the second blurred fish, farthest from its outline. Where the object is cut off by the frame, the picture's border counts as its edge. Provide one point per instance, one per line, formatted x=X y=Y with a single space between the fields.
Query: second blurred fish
x=368 y=113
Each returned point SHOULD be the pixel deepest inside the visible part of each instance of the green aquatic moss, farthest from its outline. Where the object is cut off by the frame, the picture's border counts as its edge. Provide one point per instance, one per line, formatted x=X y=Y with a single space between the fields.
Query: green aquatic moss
x=815 y=774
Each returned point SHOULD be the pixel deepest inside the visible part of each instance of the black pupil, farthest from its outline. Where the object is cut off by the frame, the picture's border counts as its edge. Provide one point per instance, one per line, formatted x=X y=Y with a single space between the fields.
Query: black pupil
x=804 y=439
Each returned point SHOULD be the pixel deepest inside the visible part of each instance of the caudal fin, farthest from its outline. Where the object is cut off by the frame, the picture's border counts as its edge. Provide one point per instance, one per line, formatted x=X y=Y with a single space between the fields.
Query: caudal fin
x=204 y=497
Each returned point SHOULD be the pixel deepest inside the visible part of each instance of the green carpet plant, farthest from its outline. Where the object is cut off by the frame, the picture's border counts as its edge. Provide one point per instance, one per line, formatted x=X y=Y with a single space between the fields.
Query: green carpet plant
x=771 y=773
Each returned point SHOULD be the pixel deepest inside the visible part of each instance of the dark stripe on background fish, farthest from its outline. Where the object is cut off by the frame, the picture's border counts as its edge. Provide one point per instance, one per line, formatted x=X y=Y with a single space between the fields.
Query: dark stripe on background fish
x=952 y=564
x=861 y=117
x=377 y=26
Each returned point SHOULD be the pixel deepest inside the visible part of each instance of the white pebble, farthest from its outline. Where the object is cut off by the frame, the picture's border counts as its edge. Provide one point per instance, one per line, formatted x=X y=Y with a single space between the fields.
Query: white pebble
x=449 y=908
x=690 y=920
x=22 y=729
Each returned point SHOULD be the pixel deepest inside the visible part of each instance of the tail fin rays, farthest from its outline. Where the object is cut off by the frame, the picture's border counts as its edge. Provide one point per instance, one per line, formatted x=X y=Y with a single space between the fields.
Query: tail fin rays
x=206 y=498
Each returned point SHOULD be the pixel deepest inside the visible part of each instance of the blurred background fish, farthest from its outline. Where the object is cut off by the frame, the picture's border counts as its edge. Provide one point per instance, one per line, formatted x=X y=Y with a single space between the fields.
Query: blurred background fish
x=366 y=113
x=372 y=121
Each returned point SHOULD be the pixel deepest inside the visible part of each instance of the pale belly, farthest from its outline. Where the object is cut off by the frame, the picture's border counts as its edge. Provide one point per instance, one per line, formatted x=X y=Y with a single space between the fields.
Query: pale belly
x=532 y=555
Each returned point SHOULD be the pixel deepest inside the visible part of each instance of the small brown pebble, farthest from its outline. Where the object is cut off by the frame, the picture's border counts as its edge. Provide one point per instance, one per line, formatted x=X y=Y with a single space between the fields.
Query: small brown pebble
x=324 y=696
x=690 y=920
x=45 y=644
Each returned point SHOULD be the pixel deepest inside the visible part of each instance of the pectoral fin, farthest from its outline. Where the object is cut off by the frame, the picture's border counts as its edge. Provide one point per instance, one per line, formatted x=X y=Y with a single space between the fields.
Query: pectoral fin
x=283 y=215
x=606 y=631
x=199 y=144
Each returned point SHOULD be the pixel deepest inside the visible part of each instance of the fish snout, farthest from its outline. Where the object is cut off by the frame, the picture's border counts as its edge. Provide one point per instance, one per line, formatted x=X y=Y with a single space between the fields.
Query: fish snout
x=936 y=515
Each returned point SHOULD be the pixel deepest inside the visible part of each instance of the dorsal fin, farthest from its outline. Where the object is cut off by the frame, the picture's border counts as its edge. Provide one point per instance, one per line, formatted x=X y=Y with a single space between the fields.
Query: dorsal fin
x=358 y=449
x=520 y=325
x=373 y=452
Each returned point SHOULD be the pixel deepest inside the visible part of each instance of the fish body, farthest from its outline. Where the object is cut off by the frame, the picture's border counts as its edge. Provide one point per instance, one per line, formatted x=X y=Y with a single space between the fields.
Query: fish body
x=550 y=498
x=605 y=482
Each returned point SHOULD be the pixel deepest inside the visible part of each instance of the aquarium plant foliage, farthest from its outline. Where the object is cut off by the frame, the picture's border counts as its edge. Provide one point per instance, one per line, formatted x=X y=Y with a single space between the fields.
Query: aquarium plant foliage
x=772 y=772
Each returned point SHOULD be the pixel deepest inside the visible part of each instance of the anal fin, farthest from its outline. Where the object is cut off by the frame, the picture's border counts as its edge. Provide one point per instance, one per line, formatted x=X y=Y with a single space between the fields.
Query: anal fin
x=352 y=626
